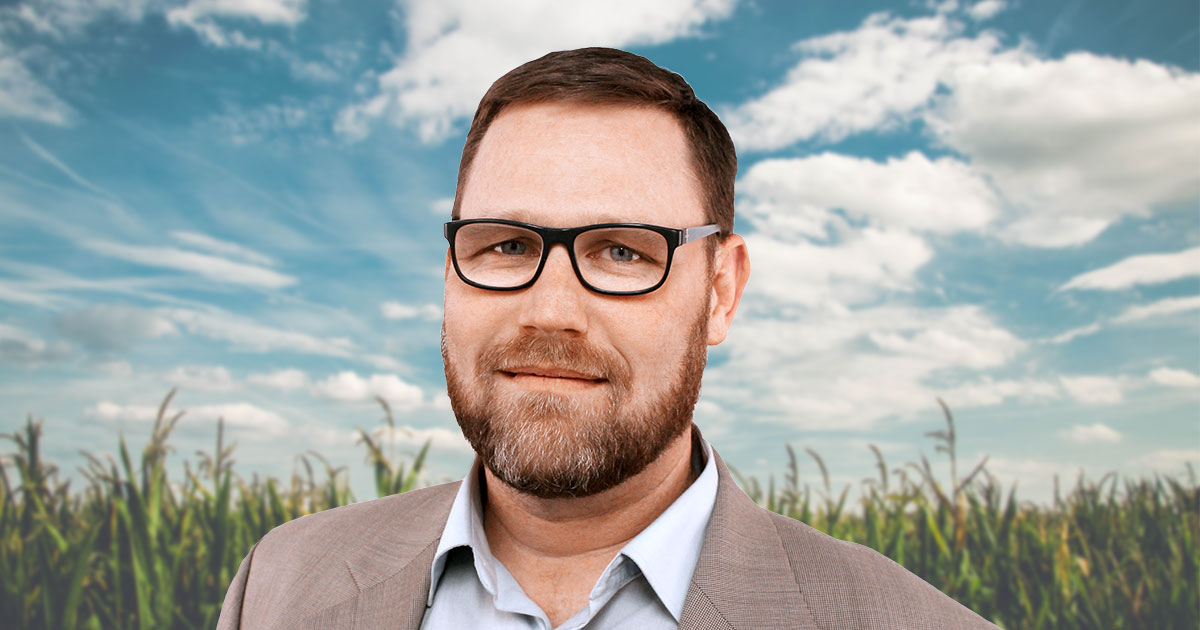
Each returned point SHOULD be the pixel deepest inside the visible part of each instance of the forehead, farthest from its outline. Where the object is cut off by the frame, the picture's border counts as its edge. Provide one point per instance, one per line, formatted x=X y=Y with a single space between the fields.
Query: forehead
x=564 y=164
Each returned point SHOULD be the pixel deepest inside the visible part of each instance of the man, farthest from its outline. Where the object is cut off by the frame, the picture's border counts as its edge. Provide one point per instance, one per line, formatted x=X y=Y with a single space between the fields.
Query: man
x=592 y=259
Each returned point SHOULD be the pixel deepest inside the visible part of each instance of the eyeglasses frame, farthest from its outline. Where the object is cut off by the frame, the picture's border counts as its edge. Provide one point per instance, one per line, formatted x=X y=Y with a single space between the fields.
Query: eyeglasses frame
x=675 y=237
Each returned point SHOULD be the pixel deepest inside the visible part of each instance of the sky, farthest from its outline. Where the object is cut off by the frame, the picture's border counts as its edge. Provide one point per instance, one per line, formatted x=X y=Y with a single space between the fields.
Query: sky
x=995 y=203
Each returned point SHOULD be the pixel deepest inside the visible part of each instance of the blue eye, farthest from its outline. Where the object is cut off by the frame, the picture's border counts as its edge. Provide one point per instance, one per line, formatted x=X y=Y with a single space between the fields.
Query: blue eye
x=511 y=248
x=620 y=253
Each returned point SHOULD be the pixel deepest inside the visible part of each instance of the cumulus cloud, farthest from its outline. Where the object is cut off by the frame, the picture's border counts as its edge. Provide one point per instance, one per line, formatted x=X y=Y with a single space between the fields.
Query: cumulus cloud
x=456 y=48
x=1171 y=377
x=856 y=270
x=209 y=378
x=1052 y=136
x=986 y=9
x=348 y=386
x=283 y=380
x=1092 y=434
x=104 y=329
x=1093 y=390
x=254 y=421
x=836 y=370
x=397 y=310
x=1056 y=136
x=1139 y=270
x=941 y=195
x=414 y=438
x=212 y=267
x=874 y=77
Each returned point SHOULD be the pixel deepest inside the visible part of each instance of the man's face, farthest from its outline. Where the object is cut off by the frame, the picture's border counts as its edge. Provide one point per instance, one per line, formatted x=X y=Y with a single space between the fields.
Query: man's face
x=563 y=391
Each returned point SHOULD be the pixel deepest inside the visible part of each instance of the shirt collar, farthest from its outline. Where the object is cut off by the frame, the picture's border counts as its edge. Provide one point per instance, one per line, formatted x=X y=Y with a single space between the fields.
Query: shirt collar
x=667 y=550
x=679 y=531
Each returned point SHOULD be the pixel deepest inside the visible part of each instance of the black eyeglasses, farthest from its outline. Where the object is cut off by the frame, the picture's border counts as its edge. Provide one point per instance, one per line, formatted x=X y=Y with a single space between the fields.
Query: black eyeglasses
x=608 y=258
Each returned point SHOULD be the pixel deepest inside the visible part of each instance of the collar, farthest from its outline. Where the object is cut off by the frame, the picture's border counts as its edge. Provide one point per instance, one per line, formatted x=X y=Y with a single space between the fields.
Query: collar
x=666 y=551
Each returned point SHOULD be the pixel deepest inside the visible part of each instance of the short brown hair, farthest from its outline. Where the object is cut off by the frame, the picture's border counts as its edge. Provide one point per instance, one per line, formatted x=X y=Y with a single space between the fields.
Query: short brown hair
x=606 y=76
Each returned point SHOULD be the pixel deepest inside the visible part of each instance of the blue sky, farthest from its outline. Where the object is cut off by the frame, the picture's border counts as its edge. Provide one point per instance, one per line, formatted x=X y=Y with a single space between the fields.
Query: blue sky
x=993 y=202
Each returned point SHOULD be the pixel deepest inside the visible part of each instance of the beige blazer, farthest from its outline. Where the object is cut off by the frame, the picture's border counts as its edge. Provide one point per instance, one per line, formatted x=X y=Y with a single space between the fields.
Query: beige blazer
x=366 y=566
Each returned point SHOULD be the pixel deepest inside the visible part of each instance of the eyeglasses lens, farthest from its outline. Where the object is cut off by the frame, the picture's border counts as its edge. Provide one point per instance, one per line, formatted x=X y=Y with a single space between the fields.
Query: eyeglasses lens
x=610 y=259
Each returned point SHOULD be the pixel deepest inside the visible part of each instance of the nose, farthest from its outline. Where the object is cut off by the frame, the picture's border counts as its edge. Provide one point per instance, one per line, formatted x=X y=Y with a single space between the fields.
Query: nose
x=555 y=303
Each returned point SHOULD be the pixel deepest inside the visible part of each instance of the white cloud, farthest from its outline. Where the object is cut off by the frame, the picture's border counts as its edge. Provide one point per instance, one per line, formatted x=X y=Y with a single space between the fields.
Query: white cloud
x=243 y=415
x=1056 y=136
x=59 y=18
x=1139 y=270
x=941 y=195
x=112 y=328
x=1082 y=331
x=1052 y=136
x=1167 y=306
x=21 y=347
x=24 y=96
x=1093 y=390
x=209 y=378
x=210 y=18
x=120 y=369
x=246 y=334
x=396 y=310
x=252 y=419
x=211 y=267
x=414 y=438
x=988 y=392
x=1172 y=377
x=283 y=380
x=222 y=248
x=1168 y=459
x=442 y=206
x=456 y=48
x=877 y=76
x=348 y=386
x=986 y=9
x=111 y=411
x=848 y=369
x=1091 y=434
x=856 y=270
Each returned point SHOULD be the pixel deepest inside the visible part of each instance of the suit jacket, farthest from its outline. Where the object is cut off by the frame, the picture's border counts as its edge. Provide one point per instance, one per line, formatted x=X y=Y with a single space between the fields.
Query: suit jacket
x=366 y=567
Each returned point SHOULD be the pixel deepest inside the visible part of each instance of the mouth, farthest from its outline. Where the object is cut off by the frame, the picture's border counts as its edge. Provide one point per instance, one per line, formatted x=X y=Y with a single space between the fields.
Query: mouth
x=550 y=376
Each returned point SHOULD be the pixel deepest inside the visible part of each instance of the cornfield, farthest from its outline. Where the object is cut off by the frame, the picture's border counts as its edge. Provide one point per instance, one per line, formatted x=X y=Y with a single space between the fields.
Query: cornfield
x=135 y=549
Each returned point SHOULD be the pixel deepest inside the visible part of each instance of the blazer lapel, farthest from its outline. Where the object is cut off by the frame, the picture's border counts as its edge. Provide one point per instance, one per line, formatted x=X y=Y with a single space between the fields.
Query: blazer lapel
x=743 y=578
x=394 y=574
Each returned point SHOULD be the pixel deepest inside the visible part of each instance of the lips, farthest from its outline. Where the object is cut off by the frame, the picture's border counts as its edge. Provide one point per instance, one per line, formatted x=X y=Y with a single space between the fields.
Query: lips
x=550 y=372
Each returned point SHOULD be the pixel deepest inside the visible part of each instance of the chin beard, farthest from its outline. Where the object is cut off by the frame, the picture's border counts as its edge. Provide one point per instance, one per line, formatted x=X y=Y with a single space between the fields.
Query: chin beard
x=552 y=445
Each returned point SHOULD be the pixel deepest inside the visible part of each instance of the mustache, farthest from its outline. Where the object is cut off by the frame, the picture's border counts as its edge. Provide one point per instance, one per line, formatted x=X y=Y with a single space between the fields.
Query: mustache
x=566 y=353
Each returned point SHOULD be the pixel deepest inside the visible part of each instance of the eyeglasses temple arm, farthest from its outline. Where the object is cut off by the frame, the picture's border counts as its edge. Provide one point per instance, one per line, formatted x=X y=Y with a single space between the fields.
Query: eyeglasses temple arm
x=696 y=233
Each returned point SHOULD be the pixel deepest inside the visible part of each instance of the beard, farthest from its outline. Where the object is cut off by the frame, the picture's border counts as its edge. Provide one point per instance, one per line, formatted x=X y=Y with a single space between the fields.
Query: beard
x=552 y=445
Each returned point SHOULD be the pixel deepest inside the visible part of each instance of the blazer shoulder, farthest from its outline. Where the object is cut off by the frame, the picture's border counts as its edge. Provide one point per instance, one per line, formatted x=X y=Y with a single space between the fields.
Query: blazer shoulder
x=320 y=560
x=848 y=586
x=409 y=514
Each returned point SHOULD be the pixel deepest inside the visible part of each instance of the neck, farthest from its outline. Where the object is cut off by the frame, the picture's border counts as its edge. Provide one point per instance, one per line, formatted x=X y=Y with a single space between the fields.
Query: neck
x=557 y=548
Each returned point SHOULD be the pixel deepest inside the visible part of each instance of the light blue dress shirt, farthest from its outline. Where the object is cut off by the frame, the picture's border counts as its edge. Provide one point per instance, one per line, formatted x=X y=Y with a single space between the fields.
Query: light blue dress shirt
x=644 y=586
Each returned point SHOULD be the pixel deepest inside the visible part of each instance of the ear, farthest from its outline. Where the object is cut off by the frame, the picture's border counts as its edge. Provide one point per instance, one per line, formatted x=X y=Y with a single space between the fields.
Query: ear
x=732 y=263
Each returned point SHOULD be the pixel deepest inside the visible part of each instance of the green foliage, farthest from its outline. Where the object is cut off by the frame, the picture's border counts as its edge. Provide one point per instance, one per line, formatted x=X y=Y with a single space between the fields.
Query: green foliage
x=1106 y=555
x=135 y=549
